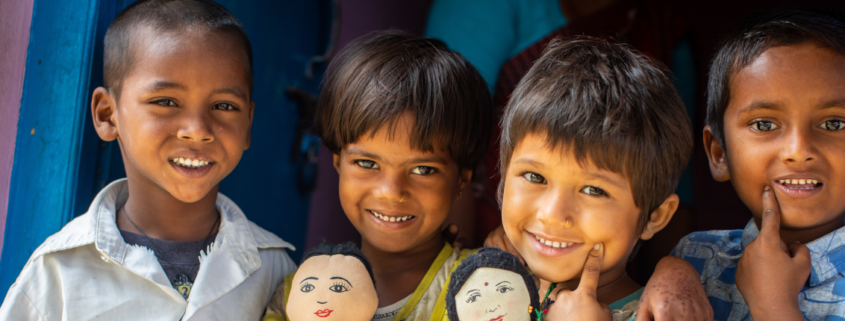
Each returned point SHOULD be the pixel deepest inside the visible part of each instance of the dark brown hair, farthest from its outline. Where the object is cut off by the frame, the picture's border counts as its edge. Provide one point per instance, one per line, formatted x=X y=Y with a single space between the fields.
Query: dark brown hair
x=743 y=45
x=380 y=76
x=609 y=105
x=164 y=16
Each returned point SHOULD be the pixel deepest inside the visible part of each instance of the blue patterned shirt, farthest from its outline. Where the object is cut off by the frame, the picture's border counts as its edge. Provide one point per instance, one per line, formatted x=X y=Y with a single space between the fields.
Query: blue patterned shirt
x=715 y=255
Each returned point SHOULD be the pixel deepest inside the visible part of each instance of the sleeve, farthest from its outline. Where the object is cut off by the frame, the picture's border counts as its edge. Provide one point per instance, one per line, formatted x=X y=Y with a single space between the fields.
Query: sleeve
x=18 y=306
x=483 y=31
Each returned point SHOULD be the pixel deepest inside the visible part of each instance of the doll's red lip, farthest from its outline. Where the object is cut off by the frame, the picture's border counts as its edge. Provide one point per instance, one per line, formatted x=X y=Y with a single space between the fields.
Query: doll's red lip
x=499 y=318
x=323 y=313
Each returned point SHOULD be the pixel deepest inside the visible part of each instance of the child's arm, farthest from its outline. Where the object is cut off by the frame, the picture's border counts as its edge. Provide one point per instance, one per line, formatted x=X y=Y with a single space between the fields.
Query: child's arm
x=581 y=304
x=275 y=310
x=769 y=275
x=674 y=292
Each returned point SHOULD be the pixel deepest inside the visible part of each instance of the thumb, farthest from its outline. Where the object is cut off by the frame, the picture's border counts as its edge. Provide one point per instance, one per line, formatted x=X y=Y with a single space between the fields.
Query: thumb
x=592 y=268
x=770 y=221
x=644 y=312
x=800 y=254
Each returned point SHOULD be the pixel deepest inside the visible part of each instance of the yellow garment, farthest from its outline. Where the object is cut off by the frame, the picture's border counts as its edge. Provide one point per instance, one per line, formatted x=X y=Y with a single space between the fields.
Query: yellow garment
x=428 y=302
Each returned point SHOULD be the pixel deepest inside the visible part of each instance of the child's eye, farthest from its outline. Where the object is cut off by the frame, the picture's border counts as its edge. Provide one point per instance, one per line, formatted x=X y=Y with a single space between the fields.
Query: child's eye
x=592 y=190
x=424 y=170
x=833 y=124
x=503 y=289
x=366 y=164
x=224 y=106
x=534 y=178
x=764 y=125
x=473 y=298
x=339 y=287
x=307 y=287
x=164 y=102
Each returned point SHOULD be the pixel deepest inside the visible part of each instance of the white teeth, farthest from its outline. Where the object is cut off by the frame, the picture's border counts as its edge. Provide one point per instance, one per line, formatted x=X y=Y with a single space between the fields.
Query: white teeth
x=190 y=163
x=802 y=182
x=799 y=181
x=391 y=218
x=556 y=245
x=815 y=182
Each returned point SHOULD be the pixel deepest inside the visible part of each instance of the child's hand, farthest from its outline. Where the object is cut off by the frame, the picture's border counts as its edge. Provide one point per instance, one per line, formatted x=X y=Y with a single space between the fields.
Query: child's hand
x=769 y=275
x=497 y=238
x=674 y=292
x=450 y=235
x=581 y=304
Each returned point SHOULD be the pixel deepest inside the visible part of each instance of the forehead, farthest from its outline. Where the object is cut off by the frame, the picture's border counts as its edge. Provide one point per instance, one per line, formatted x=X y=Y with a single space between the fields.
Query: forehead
x=190 y=56
x=488 y=278
x=393 y=141
x=804 y=75
x=325 y=266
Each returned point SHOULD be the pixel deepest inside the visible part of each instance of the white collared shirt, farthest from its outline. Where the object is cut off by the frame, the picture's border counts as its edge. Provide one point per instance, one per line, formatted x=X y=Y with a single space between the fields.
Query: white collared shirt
x=86 y=271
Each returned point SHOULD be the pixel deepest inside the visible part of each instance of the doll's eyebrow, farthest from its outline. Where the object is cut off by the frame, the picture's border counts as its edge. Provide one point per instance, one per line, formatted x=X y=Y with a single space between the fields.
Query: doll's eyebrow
x=337 y=277
x=309 y=278
x=503 y=282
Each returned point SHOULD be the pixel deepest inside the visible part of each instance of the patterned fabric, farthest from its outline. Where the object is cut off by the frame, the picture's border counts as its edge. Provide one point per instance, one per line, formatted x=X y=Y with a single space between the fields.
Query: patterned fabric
x=715 y=255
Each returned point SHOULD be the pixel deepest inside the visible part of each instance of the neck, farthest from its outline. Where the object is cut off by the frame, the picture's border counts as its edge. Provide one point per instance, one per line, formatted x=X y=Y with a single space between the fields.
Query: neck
x=162 y=216
x=398 y=274
x=614 y=285
x=805 y=235
x=575 y=9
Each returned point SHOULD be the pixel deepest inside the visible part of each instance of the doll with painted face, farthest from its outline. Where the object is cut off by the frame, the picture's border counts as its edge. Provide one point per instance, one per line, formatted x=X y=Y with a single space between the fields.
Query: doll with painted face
x=492 y=285
x=334 y=282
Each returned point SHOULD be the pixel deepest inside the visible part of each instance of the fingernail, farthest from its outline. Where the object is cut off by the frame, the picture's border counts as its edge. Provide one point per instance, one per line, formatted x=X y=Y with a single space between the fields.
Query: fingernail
x=767 y=188
x=597 y=246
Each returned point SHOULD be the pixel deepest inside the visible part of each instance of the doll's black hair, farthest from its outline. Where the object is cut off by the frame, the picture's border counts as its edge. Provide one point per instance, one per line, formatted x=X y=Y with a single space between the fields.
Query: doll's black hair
x=489 y=257
x=348 y=248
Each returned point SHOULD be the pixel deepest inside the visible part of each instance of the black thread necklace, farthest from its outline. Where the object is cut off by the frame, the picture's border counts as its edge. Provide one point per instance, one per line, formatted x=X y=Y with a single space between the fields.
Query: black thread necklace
x=181 y=281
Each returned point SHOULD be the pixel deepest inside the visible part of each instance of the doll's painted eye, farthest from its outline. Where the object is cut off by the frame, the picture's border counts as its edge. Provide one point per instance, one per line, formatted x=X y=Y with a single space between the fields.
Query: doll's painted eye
x=504 y=289
x=307 y=287
x=339 y=287
x=833 y=124
x=473 y=297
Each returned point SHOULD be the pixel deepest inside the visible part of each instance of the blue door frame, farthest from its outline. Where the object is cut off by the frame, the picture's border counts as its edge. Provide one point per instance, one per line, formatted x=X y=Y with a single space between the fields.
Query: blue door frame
x=60 y=163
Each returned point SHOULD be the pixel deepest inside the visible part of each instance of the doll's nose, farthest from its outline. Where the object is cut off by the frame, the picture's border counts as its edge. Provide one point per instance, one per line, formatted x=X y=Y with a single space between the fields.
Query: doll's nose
x=322 y=302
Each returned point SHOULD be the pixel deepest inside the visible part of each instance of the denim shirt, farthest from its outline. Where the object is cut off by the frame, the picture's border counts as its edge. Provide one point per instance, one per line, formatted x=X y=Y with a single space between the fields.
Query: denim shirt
x=715 y=255
x=86 y=271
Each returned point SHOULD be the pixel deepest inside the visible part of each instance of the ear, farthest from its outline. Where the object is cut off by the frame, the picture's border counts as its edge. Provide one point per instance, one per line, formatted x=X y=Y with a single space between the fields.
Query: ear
x=249 y=128
x=715 y=156
x=464 y=178
x=336 y=162
x=660 y=217
x=104 y=114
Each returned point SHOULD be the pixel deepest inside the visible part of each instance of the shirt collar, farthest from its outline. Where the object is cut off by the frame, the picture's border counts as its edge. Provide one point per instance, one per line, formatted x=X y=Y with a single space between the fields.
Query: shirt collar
x=827 y=253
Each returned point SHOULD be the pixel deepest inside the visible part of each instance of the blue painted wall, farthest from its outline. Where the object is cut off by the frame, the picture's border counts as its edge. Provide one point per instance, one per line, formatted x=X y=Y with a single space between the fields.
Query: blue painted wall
x=59 y=169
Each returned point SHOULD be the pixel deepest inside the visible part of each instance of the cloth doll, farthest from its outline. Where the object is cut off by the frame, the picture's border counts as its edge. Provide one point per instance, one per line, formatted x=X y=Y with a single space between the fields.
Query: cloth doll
x=492 y=285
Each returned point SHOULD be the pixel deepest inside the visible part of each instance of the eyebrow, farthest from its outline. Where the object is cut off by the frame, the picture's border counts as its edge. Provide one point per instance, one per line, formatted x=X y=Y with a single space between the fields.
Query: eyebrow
x=605 y=178
x=833 y=103
x=235 y=91
x=502 y=282
x=529 y=161
x=340 y=278
x=308 y=278
x=427 y=159
x=163 y=84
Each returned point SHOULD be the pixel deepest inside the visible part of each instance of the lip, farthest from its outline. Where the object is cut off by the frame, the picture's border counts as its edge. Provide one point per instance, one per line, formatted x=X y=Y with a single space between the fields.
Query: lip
x=323 y=313
x=499 y=318
x=544 y=250
x=390 y=225
x=799 y=193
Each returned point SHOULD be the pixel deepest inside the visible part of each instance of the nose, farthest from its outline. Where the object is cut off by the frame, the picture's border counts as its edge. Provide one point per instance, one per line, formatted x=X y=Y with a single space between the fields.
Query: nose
x=322 y=302
x=799 y=148
x=390 y=187
x=555 y=209
x=196 y=126
x=494 y=309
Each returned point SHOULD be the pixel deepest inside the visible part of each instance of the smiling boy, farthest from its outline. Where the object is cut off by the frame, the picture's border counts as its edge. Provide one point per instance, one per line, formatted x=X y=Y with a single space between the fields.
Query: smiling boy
x=776 y=130
x=163 y=244
x=594 y=141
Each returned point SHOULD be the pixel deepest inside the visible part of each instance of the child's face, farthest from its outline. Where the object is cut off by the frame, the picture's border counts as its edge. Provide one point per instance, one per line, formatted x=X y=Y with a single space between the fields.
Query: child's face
x=187 y=97
x=395 y=196
x=785 y=127
x=554 y=211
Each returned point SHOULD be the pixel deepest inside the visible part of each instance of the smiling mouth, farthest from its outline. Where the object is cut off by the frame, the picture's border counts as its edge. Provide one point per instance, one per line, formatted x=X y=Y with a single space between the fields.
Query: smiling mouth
x=555 y=244
x=391 y=219
x=190 y=163
x=800 y=184
x=499 y=318
x=323 y=313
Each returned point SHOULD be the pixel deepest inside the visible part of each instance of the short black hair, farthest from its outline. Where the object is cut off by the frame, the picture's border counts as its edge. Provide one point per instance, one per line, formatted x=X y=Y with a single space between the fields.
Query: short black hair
x=489 y=257
x=163 y=16
x=348 y=249
x=610 y=105
x=746 y=43
x=382 y=75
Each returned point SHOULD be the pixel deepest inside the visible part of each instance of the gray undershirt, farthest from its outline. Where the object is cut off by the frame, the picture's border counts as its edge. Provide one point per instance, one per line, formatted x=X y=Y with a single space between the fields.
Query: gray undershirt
x=178 y=256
